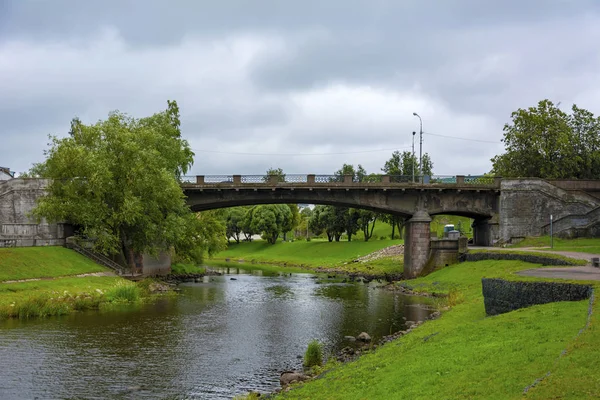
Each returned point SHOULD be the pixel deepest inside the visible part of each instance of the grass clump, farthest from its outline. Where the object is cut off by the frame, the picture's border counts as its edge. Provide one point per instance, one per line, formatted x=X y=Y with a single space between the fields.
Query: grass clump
x=249 y=396
x=313 y=357
x=123 y=292
x=183 y=269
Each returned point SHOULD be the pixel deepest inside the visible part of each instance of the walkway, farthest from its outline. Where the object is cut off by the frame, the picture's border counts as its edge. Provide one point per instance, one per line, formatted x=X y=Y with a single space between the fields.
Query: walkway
x=587 y=273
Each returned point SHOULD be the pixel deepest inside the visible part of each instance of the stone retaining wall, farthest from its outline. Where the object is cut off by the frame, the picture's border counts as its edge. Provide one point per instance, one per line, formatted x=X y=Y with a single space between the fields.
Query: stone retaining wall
x=501 y=296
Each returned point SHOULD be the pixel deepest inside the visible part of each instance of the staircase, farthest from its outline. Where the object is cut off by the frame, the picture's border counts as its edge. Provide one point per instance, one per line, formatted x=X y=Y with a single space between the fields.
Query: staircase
x=96 y=257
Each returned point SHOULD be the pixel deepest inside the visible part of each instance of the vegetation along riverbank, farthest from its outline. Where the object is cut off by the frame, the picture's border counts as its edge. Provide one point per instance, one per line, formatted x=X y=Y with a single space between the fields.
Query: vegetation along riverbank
x=540 y=352
x=46 y=281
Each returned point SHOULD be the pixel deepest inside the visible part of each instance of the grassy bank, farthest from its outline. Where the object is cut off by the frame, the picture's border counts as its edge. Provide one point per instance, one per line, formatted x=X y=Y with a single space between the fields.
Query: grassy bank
x=580 y=245
x=315 y=254
x=465 y=354
x=43 y=262
x=57 y=291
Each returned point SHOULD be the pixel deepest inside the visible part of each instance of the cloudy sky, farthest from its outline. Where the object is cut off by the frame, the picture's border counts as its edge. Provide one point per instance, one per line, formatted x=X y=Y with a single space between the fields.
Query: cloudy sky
x=303 y=85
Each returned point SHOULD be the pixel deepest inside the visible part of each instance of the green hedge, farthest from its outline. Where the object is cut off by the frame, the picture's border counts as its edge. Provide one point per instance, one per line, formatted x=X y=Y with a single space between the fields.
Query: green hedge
x=501 y=296
x=530 y=258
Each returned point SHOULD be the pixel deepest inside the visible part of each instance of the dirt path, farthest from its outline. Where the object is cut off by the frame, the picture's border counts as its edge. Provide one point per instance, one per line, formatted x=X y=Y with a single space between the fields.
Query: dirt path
x=587 y=272
x=107 y=273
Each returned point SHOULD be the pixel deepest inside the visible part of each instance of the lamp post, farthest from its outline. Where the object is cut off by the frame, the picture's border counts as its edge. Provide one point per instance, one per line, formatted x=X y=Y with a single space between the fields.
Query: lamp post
x=420 y=145
x=412 y=161
x=551 y=236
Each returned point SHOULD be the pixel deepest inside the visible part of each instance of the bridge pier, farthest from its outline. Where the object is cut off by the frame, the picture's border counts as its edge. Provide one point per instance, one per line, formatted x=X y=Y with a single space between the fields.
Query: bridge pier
x=416 y=244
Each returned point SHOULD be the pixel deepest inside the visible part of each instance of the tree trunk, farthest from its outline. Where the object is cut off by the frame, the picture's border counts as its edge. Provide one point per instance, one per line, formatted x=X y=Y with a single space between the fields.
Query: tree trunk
x=393 y=229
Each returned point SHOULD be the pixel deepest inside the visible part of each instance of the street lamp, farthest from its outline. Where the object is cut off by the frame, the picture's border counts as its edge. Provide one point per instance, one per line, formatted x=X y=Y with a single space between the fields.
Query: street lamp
x=420 y=145
x=412 y=161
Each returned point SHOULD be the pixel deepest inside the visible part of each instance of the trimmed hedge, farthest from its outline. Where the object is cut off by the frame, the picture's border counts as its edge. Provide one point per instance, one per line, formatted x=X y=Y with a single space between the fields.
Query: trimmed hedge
x=501 y=296
x=530 y=258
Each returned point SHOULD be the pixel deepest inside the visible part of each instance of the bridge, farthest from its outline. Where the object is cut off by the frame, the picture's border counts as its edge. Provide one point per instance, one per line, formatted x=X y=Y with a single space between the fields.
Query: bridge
x=503 y=210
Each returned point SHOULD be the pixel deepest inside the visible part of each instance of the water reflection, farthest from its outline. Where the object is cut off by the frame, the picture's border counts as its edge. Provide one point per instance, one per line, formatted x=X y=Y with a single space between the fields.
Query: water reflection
x=221 y=337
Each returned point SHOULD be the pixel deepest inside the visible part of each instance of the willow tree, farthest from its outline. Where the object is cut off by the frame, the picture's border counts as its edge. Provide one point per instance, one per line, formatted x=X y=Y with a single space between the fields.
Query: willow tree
x=118 y=182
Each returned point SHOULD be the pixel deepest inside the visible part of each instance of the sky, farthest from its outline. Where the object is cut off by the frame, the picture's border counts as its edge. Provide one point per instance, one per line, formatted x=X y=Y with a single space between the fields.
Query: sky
x=305 y=86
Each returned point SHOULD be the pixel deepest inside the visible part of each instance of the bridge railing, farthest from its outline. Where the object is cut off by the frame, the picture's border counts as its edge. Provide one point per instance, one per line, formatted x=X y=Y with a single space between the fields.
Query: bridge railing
x=344 y=179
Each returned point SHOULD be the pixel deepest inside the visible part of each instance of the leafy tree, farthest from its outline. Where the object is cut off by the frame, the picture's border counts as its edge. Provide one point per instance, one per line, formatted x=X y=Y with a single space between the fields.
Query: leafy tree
x=546 y=142
x=118 y=181
x=358 y=174
x=234 y=218
x=397 y=222
x=293 y=221
x=271 y=220
x=275 y=172
x=366 y=220
x=401 y=164
x=247 y=226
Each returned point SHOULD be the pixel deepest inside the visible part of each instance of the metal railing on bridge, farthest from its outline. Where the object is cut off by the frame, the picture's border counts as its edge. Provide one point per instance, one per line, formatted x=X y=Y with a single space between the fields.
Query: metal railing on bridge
x=479 y=180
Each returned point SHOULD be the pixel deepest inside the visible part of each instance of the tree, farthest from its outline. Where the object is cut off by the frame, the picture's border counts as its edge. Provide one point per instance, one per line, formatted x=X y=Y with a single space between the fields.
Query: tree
x=247 y=226
x=293 y=221
x=271 y=220
x=117 y=180
x=234 y=218
x=278 y=173
x=357 y=174
x=545 y=142
x=402 y=164
x=397 y=222
x=367 y=219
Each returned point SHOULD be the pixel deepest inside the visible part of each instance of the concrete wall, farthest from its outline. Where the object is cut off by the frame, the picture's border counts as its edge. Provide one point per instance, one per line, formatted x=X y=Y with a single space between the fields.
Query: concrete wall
x=526 y=205
x=17 y=199
x=160 y=265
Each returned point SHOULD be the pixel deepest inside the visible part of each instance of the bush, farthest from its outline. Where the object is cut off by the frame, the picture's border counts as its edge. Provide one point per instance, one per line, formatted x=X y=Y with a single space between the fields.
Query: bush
x=314 y=354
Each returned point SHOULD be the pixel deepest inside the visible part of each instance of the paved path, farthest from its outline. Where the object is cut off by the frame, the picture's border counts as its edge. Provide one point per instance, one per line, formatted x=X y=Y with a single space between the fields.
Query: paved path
x=587 y=272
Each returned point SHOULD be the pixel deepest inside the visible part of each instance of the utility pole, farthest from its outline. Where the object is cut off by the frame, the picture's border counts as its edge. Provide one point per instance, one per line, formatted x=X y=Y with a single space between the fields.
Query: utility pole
x=412 y=161
x=420 y=145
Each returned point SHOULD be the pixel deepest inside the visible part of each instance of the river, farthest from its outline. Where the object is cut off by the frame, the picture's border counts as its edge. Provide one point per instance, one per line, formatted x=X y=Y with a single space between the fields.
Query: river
x=221 y=337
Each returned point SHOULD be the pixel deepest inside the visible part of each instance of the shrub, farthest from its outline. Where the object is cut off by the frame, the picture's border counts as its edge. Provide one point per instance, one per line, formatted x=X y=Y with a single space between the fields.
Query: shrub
x=314 y=354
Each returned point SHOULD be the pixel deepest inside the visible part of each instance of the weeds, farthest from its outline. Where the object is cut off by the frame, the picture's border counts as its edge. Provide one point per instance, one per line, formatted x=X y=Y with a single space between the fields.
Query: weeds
x=124 y=291
x=314 y=354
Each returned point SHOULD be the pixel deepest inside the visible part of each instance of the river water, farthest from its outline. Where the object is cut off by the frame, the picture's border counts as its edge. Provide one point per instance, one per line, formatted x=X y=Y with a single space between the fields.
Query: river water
x=224 y=336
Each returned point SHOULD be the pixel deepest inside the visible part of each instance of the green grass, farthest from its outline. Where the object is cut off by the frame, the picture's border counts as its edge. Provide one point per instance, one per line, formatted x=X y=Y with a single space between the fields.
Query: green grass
x=579 y=245
x=43 y=262
x=466 y=355
x=314 y=254
x=181 y=269
x=313 y=357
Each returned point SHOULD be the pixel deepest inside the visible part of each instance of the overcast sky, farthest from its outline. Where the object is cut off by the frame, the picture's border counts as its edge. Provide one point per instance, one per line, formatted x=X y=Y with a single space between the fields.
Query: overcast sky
x=292 y=84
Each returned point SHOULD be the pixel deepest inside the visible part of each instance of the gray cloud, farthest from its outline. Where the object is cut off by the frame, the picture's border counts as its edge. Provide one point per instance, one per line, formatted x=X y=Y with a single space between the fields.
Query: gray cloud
x=279 y=77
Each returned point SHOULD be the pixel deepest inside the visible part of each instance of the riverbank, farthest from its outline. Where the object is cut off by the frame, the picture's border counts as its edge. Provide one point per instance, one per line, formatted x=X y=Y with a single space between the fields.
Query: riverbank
x=464 y=354
x=47 y=281
x=320 y=256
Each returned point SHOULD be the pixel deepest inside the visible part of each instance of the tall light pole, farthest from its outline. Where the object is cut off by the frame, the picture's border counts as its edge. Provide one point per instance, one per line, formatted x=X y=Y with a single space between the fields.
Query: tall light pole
x=412 y=161
x=420 y=145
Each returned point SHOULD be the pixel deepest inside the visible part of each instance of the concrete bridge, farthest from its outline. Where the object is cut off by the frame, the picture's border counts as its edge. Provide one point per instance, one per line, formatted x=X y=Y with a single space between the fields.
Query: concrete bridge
x=503 y=210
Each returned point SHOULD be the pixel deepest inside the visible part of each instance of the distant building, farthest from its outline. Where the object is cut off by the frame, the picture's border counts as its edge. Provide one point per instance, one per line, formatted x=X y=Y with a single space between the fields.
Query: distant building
x=6 y=174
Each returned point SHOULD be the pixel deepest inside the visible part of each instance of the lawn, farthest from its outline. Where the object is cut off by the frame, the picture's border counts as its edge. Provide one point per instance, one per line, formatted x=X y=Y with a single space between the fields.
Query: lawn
x=310 y=254
x=43 y=262
x=580 y=245
x=465 y=354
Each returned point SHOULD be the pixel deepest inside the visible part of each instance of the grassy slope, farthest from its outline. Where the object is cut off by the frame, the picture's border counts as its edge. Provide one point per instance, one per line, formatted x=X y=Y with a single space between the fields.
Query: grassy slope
x=465 y=354
x=315 y=254
x=61 y=292
x=581 y=245
x=43 y=262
